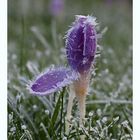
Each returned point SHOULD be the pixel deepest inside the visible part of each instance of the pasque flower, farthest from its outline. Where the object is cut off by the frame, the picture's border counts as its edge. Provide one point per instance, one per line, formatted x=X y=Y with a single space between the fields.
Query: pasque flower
x=56 y=7
x=81 y=43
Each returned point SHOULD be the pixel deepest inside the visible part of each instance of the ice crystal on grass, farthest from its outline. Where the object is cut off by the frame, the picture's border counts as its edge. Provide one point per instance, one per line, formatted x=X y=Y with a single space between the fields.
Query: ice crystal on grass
x=13 y=129
x=47 y=112
x=90 y=114
x=23 y=127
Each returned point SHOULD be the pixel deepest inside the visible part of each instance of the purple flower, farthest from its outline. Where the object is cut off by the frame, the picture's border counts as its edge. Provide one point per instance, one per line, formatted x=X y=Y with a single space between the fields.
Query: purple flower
x=53 y=79
x=81 y=42
x=56 y=7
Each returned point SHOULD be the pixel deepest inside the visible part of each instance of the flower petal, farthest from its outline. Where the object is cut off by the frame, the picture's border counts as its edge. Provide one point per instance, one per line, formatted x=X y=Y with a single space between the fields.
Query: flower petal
x=90 y=40
x=81 y=43
x=52 y=80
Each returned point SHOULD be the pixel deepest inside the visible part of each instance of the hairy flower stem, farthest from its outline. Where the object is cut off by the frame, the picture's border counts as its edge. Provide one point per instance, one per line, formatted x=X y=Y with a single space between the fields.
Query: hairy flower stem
x=69 y=108
x=82 y=108
x=78 y=89
x=81 y=87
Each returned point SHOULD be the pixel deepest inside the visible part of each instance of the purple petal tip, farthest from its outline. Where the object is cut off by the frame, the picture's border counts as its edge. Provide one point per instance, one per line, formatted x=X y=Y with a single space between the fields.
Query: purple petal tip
x=52 y=80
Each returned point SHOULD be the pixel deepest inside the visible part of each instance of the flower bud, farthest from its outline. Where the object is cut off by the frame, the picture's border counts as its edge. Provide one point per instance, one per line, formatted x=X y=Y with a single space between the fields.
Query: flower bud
x=81 y=43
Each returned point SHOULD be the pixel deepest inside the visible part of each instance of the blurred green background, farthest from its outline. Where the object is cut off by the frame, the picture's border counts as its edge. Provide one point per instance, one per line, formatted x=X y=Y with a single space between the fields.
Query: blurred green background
x=36 y=40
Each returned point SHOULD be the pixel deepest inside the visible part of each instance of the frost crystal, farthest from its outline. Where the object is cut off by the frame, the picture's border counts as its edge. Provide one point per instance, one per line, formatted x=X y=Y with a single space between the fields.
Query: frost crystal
x=47 y=111
x=13 y=129
x=23 y=127
x=104 y=119
x=90 y=114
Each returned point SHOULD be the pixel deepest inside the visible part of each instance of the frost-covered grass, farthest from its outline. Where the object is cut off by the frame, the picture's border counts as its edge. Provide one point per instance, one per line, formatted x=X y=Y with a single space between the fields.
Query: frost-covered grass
x=36 y=40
